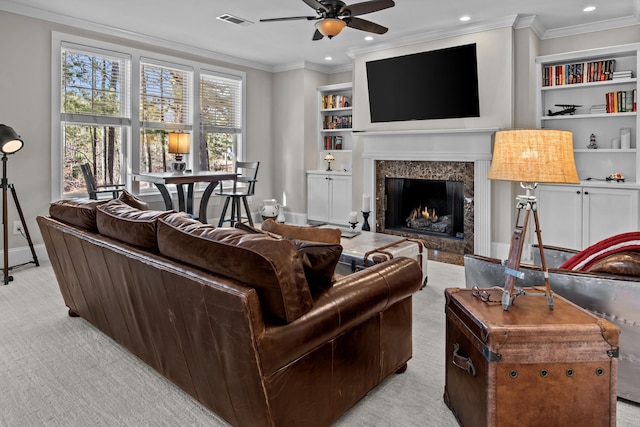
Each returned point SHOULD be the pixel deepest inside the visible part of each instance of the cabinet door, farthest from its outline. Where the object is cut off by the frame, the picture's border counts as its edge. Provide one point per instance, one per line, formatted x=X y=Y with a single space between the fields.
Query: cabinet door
x=608 y=212
x=560 y=215
x=318 y=197
x=340 y=199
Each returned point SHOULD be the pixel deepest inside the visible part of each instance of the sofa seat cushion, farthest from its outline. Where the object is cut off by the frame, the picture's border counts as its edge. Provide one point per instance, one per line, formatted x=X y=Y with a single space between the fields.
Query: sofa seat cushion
x=78 y=212
x=122 y=222
x=269 y=265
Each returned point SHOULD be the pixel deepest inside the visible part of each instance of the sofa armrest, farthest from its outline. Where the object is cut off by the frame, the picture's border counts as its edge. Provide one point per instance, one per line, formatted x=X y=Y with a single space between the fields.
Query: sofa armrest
x=352 y=300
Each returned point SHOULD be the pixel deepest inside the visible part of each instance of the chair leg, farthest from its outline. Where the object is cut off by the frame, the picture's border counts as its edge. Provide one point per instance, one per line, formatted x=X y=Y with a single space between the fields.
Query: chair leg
x=233 y=212
x=224 y=212
x=238 y=211
x=246 y=209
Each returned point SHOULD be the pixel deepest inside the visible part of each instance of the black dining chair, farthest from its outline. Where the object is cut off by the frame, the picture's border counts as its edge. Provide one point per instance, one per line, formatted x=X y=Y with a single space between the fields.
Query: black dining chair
x=94 y=189
x=247 y=175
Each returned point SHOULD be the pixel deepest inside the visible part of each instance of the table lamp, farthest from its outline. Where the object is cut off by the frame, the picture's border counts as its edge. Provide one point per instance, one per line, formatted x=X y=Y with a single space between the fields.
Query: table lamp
x=530 y=156
x=329 y=158
x=178 y=145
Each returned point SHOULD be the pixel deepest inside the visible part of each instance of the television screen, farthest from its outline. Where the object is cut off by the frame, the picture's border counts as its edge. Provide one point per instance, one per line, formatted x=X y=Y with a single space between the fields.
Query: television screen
x=439 y=84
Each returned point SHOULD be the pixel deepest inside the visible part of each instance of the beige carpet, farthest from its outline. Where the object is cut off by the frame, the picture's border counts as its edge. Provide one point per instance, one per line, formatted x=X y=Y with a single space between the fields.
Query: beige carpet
x=60 y=371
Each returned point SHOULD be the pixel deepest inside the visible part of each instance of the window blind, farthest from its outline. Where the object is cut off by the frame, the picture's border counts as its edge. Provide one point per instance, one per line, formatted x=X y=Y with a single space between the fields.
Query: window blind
x=220 y=103
x=165 y=96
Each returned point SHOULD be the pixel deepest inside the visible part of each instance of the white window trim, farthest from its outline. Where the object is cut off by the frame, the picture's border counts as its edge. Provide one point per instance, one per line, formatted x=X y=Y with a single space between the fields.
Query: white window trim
x=130 y=146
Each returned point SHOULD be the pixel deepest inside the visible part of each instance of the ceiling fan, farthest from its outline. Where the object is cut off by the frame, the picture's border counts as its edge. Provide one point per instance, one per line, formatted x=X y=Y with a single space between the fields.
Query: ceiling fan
x=334 y=15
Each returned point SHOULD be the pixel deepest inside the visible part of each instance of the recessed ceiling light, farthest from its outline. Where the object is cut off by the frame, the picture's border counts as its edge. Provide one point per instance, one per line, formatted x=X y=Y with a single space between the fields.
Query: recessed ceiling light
x=589 y=9
x=328 y=58
x=368 y=38
x=465 y=18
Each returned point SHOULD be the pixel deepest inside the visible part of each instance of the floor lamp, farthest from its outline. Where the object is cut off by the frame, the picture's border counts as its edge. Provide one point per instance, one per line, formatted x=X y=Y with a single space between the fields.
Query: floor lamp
x=530 y=156
x=10 y=143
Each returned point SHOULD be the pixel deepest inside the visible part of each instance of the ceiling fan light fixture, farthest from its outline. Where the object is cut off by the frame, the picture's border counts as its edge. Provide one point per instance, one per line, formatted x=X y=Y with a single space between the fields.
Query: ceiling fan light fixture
x=330 y=27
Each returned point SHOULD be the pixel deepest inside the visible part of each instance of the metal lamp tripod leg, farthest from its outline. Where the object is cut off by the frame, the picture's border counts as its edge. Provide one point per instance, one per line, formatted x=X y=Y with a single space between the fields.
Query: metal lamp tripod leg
x=5 y=187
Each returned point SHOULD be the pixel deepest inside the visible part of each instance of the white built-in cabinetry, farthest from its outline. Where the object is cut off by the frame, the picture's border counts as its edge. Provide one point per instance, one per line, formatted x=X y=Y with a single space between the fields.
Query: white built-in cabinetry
x=329 y=192
x=335 y=124
x=329 y=197
x=576 y=216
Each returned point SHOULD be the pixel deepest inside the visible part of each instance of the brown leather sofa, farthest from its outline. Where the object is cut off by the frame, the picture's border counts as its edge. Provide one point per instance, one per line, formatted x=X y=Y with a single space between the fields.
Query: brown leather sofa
x=252 y=325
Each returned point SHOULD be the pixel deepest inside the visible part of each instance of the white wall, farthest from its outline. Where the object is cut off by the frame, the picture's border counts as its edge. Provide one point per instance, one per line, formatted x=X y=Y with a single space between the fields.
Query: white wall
x=25 y=83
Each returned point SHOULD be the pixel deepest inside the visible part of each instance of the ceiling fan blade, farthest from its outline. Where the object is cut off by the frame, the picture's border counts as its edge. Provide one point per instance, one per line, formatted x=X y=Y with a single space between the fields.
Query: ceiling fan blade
x=316 y=5
x=366 y=7
x=317 y=35
x=364 y=25
x=290 y=18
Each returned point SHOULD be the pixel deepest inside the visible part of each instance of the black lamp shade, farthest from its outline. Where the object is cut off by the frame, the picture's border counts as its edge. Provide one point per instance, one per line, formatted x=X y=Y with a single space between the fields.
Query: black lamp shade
x=10 y=141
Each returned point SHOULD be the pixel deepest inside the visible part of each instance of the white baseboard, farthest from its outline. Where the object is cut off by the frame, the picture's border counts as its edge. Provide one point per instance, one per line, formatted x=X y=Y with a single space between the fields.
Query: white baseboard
x=22 y=255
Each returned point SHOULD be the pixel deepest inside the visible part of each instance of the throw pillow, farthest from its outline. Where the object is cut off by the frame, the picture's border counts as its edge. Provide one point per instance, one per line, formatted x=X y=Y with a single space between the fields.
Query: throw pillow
x=122 y=222
x=319 y=259
x=133 y=201
x=622 y=263
x=271 y=266
x=584 y=259
x=81 y=213
x=314 y=234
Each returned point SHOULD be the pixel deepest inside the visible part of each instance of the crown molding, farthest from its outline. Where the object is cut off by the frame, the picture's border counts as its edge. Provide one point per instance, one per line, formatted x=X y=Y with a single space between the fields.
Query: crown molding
x=18 y=9
x=327 y=69
x=488 y=25
x=574 y=30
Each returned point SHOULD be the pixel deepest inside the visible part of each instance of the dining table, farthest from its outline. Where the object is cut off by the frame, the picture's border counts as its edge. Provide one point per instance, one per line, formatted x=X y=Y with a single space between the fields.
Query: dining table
x=185 y=180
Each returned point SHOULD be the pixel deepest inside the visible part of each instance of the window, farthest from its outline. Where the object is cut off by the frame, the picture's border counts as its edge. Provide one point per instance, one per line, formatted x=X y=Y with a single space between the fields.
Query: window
x=94 y=116
x=220 y=121
x=118 y=121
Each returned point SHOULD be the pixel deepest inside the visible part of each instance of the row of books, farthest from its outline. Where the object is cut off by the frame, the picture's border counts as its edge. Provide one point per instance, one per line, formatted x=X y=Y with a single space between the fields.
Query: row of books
x=337 y=122
x=622 y=101
x=333 y=142
x=335 y=101
x=579 y=72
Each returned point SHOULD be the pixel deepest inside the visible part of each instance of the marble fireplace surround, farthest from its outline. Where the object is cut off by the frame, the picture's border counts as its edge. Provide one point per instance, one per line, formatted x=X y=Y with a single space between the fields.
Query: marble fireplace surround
x=460 y=154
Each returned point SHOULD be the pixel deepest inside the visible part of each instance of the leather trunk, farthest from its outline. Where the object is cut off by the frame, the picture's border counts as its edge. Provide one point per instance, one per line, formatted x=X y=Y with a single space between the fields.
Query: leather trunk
x=529 y=365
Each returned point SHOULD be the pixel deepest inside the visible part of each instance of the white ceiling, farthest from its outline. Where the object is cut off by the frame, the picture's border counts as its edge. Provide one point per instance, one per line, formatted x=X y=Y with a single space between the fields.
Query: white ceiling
x=278 y=45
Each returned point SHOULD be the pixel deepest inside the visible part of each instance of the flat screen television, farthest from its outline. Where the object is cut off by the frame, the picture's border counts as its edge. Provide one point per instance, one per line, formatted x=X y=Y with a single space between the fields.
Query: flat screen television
x=438 y=84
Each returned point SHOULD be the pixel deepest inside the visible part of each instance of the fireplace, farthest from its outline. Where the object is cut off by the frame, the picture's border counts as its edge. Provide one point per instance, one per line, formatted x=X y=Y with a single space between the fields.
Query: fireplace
x=462 y=155
x=425 y=206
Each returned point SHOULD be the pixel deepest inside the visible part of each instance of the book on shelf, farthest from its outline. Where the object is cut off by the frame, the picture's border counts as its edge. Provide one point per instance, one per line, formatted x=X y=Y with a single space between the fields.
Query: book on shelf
x=333 y=142
x=622 y=101
x=335 y=101
x=598 y=109
x=628 y=74
x=337 y=122
x=578 y=72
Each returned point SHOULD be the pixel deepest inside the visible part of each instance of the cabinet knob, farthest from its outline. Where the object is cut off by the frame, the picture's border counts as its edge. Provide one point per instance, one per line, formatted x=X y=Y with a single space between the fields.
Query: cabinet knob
x=586 y=192
x=578 y=192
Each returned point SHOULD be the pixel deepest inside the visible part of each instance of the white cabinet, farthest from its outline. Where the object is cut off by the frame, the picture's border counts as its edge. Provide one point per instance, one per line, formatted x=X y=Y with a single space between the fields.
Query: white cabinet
x=569 y=79
x=335 y=124
x=329 y=197
x=578 y=216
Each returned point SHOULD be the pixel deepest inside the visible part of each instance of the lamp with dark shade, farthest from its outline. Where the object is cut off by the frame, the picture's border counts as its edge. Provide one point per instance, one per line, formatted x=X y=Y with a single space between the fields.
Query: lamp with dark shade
x=11 y=142
x=530 y=156
x=179 y=144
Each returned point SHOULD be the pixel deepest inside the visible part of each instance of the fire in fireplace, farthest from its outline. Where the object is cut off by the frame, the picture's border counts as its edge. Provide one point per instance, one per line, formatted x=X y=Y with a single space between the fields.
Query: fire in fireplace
x=425 y=206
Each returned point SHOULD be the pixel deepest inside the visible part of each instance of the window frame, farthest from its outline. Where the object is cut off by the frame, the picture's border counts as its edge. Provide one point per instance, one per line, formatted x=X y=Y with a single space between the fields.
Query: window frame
x=131 y=138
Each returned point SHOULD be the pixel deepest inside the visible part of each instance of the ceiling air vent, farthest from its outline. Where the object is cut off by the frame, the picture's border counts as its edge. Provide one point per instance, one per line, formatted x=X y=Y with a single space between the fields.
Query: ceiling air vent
x=233 y=19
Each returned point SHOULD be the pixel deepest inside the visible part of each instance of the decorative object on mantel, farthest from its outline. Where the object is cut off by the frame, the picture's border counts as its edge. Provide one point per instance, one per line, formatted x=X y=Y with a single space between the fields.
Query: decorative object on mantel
x=366 y=211
x=530 y=156
x=592 y=142
x=329 y=158
x=353 y=219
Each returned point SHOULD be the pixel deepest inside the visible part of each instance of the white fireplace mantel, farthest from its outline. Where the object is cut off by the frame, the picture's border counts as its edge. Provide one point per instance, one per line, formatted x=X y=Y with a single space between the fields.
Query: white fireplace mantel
x=459 y=145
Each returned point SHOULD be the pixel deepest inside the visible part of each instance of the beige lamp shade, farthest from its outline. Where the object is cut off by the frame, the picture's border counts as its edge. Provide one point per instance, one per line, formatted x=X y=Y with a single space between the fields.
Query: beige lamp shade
x=329 y=158
x=178 y=143
x=330 y=27
x=534 y=155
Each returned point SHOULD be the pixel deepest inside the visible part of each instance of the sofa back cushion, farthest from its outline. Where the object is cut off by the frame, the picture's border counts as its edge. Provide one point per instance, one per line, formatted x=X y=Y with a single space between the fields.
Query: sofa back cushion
x=122 y=222
x=133 y=201
x=269 y=265
x=81 y=213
